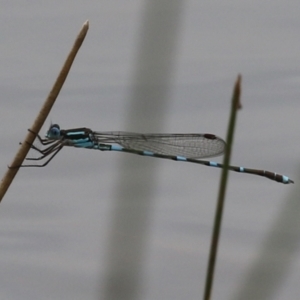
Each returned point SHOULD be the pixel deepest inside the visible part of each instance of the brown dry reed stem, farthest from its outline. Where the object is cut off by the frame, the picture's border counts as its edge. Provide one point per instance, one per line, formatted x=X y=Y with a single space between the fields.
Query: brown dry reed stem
x=235 y=105
x=42 y=115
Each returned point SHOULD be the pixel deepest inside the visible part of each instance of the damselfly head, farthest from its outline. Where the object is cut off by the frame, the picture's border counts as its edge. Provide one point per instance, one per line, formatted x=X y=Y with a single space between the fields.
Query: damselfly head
x=53 y=132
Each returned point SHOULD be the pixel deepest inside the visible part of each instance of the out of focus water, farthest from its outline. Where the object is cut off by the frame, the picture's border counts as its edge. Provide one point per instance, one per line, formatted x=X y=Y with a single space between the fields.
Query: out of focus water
x=56 y=222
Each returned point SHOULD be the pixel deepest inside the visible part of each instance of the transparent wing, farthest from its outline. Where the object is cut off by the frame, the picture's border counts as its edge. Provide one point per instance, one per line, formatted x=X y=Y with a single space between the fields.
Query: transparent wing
x=187 y=145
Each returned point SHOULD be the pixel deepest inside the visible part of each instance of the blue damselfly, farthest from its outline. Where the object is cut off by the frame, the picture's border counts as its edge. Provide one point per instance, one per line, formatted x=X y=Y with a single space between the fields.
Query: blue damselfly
x=179 y=147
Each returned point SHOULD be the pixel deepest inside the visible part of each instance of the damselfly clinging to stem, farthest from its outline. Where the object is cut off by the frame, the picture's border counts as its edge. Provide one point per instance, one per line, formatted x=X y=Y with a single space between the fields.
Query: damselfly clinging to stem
x=179 y=147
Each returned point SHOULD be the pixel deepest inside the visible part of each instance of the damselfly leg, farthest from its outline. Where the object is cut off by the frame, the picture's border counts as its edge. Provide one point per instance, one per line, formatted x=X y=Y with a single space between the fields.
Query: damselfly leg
x=41 y=140
x=53 y=151
x=54 y=146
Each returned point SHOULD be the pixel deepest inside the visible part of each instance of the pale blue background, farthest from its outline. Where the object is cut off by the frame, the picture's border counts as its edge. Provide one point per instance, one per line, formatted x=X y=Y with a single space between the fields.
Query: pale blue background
x=55 y=222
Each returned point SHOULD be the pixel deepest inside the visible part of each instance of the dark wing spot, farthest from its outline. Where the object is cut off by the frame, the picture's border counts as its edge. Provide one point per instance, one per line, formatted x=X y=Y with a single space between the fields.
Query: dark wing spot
x=210 y=136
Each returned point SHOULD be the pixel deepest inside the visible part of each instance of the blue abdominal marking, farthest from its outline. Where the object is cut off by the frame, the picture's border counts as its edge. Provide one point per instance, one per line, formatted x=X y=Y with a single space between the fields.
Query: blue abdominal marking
x=116 y=148
x=148 y=153
x=180 y=158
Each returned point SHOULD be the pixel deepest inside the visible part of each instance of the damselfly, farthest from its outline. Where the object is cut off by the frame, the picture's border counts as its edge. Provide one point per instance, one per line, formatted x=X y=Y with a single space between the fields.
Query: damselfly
x=179 y=147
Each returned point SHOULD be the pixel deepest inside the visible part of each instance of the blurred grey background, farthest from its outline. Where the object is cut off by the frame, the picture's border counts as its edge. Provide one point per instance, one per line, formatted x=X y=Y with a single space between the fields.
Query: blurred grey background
x=95 y=225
